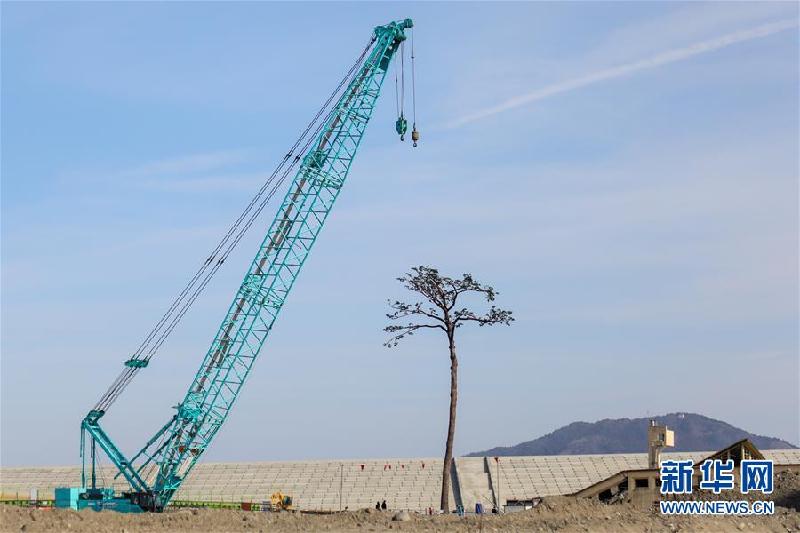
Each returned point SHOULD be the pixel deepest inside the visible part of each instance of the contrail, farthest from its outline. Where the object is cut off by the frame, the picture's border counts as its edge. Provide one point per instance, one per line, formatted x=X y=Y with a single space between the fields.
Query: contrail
x=664 y=58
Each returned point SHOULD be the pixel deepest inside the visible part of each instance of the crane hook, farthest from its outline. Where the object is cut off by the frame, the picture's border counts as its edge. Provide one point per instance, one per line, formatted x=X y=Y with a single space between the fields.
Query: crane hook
x=415 y=135
x=401 y=126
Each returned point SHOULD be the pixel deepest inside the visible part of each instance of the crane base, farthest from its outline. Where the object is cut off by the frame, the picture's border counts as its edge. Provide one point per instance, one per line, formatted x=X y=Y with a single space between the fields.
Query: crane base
x=96 y=499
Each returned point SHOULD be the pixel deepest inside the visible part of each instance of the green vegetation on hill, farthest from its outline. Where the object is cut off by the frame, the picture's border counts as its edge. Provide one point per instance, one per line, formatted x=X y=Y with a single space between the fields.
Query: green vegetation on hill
x=693 y=432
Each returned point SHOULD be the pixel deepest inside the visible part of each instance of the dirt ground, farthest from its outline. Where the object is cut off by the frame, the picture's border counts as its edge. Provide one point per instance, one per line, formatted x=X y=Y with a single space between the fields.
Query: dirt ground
x=562 y=514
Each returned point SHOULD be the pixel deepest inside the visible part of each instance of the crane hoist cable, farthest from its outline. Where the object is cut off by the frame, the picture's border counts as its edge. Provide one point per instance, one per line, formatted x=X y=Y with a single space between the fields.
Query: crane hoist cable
x=400 y=94
x=250 y=206
x=414 y=131
x=180 y=306
x=396 y=90
x=252 y=203
x=402 y=78
x=127 y=375
x=401 y=125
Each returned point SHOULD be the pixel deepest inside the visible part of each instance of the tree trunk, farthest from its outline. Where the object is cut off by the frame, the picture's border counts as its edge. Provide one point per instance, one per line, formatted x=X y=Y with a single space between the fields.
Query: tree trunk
x=451 y=428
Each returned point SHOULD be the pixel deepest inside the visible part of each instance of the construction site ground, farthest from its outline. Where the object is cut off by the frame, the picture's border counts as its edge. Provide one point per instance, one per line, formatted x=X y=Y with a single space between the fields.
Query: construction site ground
x=554 y=514
x=561 y=513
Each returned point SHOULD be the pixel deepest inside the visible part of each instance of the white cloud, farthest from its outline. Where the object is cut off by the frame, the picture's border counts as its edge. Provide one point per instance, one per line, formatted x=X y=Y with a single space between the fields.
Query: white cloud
x=188 y=164
x=247 y=182
x=657 y=60
x=199 y=172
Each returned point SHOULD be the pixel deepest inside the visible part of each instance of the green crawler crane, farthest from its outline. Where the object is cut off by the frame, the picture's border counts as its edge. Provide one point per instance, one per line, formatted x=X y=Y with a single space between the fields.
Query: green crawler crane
x=322 y=157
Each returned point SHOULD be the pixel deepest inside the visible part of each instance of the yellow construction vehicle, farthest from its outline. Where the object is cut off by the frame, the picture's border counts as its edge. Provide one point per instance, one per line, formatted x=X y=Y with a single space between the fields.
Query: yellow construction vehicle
x=280 y=502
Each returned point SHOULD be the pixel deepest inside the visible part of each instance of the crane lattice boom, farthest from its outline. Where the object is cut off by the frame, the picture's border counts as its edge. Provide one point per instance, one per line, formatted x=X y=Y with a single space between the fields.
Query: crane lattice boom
x=156 y=472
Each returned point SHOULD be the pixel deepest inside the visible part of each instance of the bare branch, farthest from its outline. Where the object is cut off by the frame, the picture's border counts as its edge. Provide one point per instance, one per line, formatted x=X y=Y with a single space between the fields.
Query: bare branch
x=402 y=309
x=406 y=331
x=494 y=316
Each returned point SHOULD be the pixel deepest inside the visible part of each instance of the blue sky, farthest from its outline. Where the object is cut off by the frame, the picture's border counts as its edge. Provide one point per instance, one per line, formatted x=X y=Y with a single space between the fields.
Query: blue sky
x=625 y=174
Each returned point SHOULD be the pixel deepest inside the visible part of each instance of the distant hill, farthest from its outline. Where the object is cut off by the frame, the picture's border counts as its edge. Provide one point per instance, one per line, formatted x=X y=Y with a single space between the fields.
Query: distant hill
x=693 y=432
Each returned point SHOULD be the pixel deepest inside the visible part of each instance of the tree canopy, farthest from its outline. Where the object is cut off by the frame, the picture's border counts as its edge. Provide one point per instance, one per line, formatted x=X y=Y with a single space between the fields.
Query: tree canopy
x=441 y=309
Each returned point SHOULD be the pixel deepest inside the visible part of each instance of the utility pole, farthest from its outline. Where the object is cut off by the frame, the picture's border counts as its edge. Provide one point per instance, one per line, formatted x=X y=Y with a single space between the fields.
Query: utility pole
x=341 y=483
x=499 y=501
